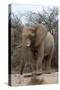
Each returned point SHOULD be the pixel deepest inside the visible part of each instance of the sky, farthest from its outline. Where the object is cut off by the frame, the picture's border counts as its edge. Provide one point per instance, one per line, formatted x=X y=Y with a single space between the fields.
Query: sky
x=21 y=8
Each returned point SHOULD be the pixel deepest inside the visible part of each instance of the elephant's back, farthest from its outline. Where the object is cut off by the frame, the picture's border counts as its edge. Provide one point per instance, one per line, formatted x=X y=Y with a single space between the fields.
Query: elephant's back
x=49 y=43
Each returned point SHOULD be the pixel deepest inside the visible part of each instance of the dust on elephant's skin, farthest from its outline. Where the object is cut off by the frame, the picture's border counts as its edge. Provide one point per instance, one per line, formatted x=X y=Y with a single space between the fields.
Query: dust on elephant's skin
x=38 y=43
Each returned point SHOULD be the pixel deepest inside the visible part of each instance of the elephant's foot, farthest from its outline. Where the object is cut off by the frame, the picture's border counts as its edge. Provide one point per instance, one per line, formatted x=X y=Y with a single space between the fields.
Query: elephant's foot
x=48 y=71
x=40 y=71
x=33 y=75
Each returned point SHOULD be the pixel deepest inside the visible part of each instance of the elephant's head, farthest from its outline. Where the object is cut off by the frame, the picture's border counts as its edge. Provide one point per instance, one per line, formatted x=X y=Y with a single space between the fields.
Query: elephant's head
x=33 y=35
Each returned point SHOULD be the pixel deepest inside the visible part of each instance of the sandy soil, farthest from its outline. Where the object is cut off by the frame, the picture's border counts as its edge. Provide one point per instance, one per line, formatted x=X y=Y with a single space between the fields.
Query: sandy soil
x=17 y=79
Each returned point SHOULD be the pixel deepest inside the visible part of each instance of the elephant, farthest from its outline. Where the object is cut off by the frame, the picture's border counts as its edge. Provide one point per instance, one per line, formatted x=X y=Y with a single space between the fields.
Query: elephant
x=37 y=43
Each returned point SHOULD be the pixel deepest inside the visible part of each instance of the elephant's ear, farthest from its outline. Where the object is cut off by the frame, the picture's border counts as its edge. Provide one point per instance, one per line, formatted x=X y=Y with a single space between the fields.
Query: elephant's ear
x=40 y=33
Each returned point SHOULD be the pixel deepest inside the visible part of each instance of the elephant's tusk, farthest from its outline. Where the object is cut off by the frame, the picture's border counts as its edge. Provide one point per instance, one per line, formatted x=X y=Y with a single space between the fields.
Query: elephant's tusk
x=19 y=46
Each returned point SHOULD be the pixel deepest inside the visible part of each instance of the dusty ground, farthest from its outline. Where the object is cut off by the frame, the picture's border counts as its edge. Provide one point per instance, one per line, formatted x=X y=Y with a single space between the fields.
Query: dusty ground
x=17 y=79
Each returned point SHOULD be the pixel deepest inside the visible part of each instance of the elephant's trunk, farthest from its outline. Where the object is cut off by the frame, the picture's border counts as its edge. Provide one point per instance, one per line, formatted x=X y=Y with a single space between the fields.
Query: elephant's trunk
x=26 y=43
x=21 y=45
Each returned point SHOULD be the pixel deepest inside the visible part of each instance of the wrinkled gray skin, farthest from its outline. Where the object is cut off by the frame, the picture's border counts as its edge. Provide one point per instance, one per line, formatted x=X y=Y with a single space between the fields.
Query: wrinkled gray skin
x=37 y=43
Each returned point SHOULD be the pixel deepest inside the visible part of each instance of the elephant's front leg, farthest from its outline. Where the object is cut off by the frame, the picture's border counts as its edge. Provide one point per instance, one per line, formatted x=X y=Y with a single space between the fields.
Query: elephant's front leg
x=39 y=64
x=30 y=58
x=48 y=65
x=40 y=58
x=34 y=68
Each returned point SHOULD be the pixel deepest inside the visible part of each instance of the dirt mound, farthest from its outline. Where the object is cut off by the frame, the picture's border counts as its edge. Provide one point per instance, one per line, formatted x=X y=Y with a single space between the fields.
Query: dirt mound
x=17 y=79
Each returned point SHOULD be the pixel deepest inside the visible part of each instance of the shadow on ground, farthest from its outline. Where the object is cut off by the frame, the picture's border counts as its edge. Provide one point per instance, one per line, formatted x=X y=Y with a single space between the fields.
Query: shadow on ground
x=35 y=81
